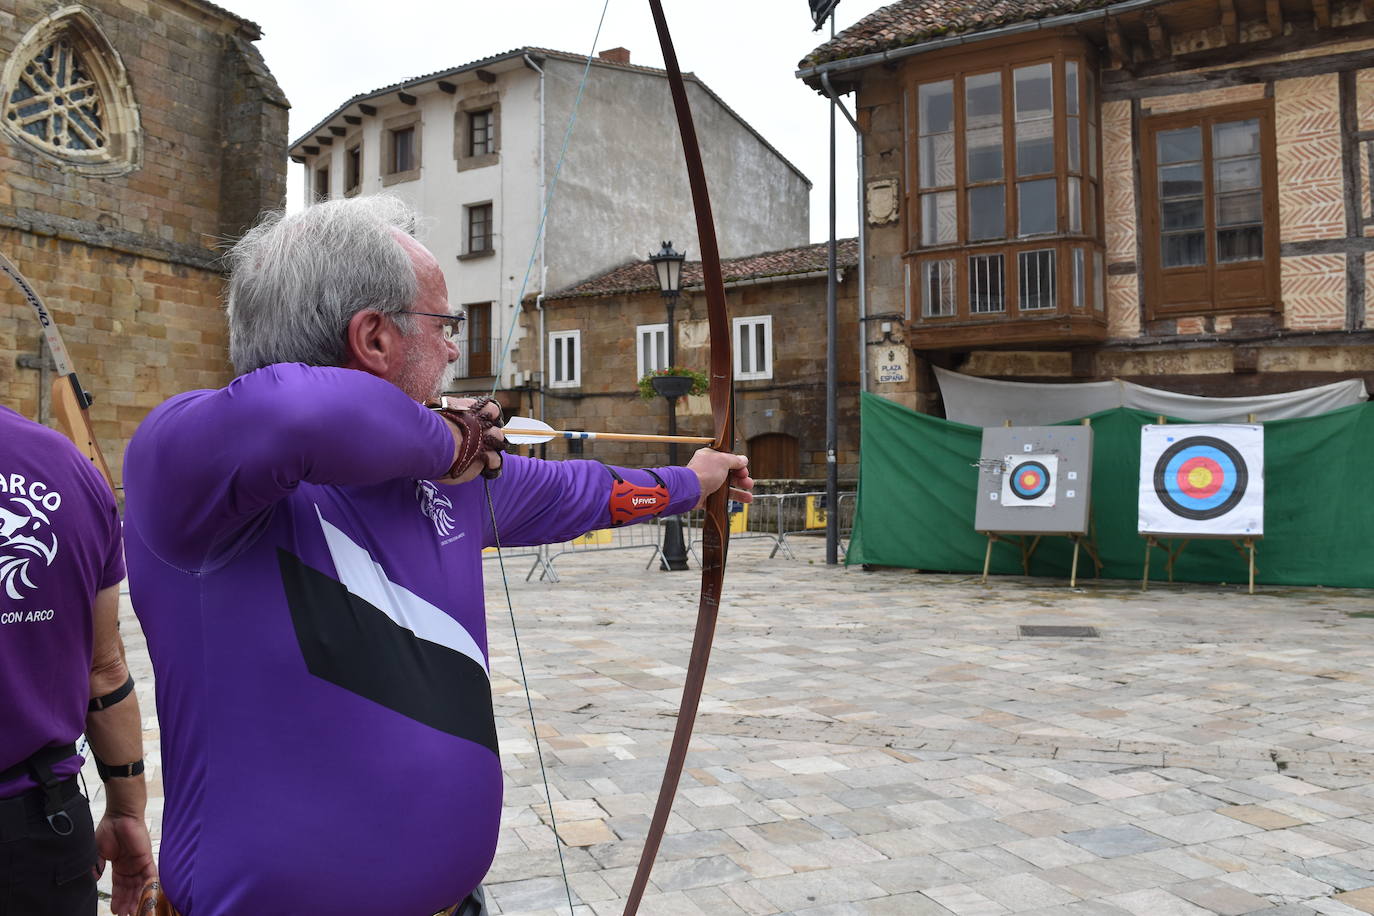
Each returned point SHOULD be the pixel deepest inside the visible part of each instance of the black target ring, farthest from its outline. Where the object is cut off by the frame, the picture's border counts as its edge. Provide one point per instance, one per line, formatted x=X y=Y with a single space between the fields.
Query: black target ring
x=1237 y=487
x=1040 y=483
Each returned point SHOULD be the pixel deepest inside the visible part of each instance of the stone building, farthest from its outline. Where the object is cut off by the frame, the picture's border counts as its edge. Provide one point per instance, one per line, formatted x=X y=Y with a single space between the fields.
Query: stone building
x=611 y=330
x=477 y=150
x=136 y=137
x=1172 y=192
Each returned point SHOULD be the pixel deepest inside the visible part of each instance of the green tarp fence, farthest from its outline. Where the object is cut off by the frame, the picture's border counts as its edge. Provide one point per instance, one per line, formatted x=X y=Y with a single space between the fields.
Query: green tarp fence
x=918 y=475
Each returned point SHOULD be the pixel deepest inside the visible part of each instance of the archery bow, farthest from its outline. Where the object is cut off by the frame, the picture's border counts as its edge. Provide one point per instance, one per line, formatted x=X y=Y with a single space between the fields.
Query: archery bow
x=715 y=530
x=71 y=402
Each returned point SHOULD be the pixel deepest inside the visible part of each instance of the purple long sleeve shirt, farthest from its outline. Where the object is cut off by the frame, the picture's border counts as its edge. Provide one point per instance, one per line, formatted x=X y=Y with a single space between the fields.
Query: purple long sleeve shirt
x=313 y=607
x=59 y=546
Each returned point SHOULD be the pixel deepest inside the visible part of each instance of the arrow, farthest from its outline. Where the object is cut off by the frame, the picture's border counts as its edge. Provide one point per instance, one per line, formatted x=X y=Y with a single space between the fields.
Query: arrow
x=529 y=431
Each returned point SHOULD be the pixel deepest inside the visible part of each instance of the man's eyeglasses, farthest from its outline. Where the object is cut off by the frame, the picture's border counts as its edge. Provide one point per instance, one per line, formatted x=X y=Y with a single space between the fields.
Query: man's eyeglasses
x=452 y=323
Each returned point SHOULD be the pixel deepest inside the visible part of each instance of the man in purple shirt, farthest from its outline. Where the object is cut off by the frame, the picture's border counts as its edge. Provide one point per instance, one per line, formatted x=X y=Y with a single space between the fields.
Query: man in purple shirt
x=304 y=551
x=61 y=673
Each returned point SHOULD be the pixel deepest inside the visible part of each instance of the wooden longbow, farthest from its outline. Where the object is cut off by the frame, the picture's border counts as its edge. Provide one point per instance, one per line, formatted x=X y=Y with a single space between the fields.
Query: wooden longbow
x=716 y=530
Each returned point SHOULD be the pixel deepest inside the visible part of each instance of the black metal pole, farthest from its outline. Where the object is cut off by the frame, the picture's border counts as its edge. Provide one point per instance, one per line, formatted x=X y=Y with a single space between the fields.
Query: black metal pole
x=832 y=518
x=674 y=551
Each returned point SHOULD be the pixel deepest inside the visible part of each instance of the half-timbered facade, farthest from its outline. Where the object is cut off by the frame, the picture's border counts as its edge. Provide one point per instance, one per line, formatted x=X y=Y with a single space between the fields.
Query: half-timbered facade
x=1171 y=191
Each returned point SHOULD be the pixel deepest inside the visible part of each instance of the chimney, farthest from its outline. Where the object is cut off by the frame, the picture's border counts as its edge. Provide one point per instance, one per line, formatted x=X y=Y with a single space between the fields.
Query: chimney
x=616 y=55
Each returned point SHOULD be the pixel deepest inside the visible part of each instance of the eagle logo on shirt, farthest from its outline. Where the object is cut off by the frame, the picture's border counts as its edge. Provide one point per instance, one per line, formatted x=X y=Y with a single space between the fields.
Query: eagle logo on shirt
x=23 y=526
x=435 y=506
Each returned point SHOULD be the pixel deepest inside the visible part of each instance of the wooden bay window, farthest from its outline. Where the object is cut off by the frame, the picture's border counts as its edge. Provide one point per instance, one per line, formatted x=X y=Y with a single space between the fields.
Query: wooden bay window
x=1004 y=213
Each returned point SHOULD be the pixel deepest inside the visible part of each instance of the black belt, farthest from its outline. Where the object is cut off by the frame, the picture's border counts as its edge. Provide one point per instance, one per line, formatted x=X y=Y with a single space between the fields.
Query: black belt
x=18 y=811
x=53 y=792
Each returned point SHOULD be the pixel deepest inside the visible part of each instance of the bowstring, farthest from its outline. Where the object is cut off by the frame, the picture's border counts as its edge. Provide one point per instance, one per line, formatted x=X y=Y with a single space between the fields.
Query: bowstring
x=548 y=201
x=491 y=508
x=529 y=700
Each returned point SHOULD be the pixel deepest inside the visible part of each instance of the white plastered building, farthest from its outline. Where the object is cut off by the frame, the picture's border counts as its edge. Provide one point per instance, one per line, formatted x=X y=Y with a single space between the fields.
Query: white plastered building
x=476 y=150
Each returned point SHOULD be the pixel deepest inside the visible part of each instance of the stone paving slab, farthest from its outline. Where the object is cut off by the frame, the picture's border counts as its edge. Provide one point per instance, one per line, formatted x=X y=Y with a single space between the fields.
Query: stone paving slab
x=886 y=742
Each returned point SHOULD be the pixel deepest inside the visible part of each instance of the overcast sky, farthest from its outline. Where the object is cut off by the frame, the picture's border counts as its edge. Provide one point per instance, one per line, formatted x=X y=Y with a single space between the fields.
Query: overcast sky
x=745 y=50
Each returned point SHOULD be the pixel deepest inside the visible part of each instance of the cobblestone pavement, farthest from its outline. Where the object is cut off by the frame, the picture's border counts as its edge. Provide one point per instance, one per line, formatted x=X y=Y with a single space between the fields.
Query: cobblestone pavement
x=888 y=742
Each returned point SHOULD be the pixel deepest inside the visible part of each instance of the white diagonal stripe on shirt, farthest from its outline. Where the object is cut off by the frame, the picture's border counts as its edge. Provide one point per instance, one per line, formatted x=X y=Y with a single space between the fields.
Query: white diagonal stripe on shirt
x=363 y=576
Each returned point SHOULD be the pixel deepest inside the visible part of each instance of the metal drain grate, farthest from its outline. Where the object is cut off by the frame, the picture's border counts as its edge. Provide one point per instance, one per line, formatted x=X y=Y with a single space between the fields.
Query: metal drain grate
x=1070 y=632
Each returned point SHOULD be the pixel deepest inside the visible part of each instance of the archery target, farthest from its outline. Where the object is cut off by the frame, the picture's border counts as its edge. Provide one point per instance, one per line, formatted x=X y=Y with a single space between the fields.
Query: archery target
x=1030 y=480
x=1204 y=480
x=1034 y=479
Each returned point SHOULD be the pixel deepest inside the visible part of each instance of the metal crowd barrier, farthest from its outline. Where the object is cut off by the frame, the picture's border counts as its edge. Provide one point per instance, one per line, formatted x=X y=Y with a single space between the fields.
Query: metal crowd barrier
x=778 y=516
x=649 y=534
x=539 y=553
x=774 y=516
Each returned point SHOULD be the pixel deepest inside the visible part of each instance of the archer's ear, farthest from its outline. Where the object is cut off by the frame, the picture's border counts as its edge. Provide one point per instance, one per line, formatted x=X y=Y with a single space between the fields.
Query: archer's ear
x=373 y=343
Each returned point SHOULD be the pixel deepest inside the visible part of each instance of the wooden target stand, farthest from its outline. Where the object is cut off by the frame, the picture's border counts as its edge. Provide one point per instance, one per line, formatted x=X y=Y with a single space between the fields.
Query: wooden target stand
x=1173 y=547
x=1244 y=546
x=1027 y=544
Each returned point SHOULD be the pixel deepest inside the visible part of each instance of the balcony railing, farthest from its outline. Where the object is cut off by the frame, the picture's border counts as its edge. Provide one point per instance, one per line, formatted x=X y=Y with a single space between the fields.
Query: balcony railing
x=477 y=357
x=1047 y=292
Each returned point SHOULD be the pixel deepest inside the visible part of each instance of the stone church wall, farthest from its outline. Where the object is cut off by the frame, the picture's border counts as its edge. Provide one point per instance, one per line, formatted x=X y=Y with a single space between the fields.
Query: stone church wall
x=125 y=252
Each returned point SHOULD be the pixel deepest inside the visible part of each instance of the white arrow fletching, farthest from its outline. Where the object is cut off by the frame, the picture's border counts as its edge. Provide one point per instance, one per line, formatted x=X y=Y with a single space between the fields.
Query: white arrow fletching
x=528 y=431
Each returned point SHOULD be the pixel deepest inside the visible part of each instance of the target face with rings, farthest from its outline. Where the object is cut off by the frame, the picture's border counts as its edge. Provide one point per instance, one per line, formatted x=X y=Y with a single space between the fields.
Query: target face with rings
x=1030 y=480
x=1201 y=477
x=1205 y=480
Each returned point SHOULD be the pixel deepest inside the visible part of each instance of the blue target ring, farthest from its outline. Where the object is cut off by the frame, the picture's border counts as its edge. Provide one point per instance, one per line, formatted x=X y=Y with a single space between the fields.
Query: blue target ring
x=1201 y=477
x=1029 y=479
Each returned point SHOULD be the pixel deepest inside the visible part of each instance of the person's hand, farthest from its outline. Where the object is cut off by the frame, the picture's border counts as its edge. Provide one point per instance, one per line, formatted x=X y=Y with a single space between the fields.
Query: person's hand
x=123 y=842
x=487 y=461
x=713 y=467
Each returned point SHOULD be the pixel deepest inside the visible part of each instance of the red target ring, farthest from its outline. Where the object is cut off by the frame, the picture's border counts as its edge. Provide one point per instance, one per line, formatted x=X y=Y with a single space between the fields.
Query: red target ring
x=1201 y=477
x=1029 y=480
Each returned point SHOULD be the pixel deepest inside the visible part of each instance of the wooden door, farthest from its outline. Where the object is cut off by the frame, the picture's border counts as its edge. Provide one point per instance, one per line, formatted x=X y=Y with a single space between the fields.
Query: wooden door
x=773 y=456
x=479 y=339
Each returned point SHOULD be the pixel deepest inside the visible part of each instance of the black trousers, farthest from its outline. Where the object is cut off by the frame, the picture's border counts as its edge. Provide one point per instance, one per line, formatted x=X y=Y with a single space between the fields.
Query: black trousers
x=474 y=905
x=41 y=872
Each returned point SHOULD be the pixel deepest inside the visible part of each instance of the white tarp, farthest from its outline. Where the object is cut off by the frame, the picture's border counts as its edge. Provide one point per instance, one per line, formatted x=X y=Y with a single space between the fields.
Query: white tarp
x=991 y=402
x=1202 y=481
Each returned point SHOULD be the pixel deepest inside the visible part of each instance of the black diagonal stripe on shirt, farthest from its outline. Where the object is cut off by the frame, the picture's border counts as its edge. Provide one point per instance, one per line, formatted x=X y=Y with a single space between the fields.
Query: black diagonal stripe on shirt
x=350 y=643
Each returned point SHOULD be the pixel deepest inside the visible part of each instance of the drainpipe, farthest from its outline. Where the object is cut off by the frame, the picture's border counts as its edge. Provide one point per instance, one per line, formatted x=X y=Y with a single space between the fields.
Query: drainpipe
x=538 y=214
x=863 y=244
x=543 y=178
x=539 y=307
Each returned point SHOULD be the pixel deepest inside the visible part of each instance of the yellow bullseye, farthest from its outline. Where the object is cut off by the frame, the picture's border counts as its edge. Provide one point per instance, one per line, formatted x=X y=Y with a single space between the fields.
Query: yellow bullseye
x=1200 y=478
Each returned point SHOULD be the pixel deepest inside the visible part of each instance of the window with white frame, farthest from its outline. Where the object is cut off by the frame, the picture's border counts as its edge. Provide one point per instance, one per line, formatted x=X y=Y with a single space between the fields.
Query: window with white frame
x=754 y=347
x=652 y=347
x=565 y=359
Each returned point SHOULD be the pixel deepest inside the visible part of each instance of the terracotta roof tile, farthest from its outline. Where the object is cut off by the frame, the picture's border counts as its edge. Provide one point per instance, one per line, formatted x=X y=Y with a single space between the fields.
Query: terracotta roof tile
x=910 y=22
x=639 y=276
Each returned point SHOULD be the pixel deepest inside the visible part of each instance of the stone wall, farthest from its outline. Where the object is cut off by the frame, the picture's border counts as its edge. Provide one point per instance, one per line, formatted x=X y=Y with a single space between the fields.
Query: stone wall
x=128 y=263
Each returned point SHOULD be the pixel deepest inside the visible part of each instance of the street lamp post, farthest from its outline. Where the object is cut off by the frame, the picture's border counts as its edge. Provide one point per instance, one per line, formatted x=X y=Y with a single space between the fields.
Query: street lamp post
x=668 y=265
